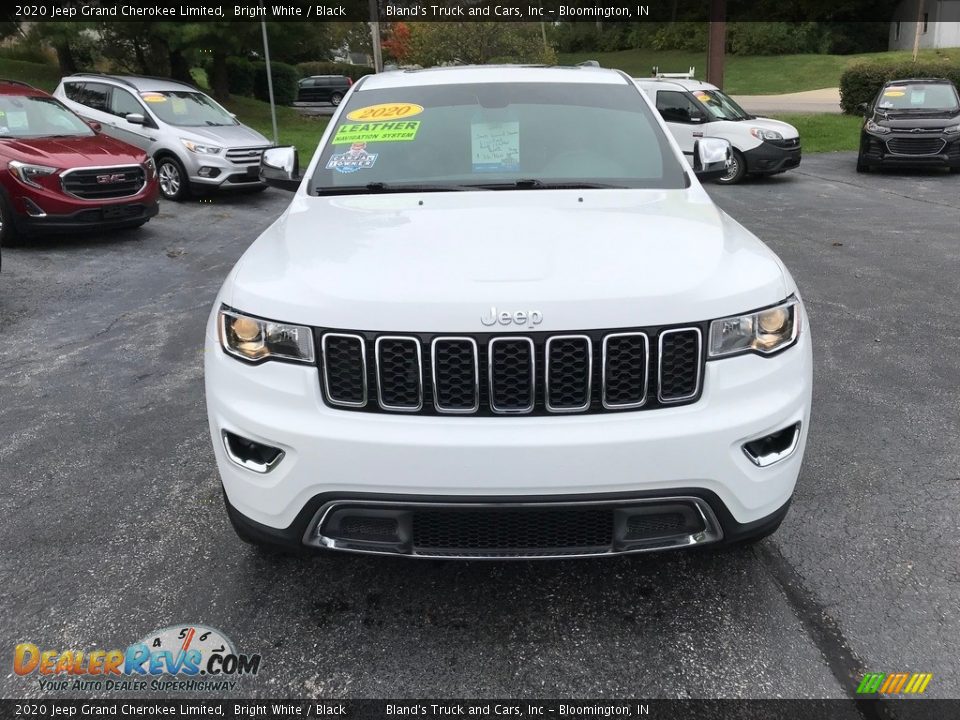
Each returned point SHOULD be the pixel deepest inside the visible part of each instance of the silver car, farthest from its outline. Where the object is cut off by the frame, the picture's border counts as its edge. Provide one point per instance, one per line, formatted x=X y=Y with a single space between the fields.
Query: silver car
x=196 y=143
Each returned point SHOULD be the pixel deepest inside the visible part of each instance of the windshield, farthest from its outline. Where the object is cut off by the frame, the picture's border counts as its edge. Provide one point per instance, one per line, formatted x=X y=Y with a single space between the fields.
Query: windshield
x=930 y=97
x=23 y=116
x=721 y=105
x=497 y=135
x=186 y=108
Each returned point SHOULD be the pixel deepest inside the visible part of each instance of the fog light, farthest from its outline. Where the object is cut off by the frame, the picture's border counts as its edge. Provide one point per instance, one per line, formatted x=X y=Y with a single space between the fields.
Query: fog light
x=773 y=448
x=250 y=454
x=33 y=210
x=209 y=172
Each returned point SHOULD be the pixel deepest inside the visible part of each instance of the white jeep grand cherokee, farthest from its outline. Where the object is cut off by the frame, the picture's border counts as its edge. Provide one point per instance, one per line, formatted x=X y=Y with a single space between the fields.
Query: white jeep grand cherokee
x=502 y=318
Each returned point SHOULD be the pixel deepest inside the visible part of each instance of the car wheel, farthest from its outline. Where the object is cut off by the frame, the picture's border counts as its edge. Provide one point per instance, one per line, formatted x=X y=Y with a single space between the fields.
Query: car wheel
x=336 y=98
x=8 y=231
x=174 y=184
x=737 y=171
x=862 y=167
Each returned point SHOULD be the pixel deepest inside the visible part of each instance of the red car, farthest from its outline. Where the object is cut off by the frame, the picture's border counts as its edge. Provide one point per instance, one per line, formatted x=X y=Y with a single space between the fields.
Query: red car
x=58 y=174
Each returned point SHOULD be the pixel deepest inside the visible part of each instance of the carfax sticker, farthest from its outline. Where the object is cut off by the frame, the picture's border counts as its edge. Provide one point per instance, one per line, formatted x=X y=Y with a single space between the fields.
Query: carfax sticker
x=404 y=131
x=356 y=158
x=385 y=111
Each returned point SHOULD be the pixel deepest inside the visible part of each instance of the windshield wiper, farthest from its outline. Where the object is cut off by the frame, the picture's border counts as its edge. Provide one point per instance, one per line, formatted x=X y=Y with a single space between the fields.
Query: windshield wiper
x=382 y=187
x=537 y=184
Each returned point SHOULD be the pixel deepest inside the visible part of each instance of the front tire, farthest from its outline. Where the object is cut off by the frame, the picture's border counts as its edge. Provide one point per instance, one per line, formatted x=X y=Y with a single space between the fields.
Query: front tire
x=862 y=167
x=738 y=170
x=8 y=229
x=336 y=98
x=174 y=184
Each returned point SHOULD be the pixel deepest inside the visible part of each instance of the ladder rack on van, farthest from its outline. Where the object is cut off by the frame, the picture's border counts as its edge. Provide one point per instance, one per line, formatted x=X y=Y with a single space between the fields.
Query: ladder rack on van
x=689 y=75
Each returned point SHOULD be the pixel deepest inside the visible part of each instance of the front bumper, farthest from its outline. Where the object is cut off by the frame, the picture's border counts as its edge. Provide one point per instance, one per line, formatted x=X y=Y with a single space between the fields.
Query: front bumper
x=105 y=217
x=694 y=450
x=214 y=171
x=771 y=157
x=875 y=151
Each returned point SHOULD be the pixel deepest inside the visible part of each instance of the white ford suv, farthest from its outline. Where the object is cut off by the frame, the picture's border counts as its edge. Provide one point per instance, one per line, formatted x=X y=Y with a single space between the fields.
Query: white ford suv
x=502 y=318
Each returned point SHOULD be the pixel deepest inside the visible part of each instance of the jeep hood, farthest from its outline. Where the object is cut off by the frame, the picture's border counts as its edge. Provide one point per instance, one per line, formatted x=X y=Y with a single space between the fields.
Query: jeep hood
x=429 y=262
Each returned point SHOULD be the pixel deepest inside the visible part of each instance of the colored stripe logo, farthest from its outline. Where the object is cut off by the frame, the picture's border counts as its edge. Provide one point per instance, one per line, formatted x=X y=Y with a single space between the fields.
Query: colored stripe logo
x=894 y=683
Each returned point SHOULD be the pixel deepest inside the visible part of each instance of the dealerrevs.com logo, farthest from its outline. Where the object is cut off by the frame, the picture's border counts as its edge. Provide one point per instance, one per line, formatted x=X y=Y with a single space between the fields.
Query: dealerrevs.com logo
x=177 y=658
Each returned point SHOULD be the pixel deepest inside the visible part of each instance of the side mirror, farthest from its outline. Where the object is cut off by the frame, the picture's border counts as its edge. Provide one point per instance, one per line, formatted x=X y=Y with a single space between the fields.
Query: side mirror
x=280 y=168
x=711 y=158
x=135 y=119
x=697 y=117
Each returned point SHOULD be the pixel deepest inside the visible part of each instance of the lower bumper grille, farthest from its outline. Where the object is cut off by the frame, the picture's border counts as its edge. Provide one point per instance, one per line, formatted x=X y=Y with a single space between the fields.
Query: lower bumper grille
x=915 y=146
x=473 y=530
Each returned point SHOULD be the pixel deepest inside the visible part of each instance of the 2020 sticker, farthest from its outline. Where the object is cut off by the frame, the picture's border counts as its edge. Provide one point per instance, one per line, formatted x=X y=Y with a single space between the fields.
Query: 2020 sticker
x=385 y=111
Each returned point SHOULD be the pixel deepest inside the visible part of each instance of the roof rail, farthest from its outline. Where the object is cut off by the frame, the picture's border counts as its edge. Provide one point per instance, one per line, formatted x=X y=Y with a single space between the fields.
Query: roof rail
x=691 y=74
x=93 y=73
x=588 y=63
x=125 y=78
x=17 y=82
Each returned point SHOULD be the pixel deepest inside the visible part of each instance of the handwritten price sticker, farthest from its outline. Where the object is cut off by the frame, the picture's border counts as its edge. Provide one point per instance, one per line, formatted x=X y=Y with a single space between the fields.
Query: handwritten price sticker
x=385 y=111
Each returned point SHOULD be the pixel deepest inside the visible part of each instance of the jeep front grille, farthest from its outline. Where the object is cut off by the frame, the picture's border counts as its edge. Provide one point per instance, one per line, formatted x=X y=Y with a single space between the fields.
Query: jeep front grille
x=514 y=374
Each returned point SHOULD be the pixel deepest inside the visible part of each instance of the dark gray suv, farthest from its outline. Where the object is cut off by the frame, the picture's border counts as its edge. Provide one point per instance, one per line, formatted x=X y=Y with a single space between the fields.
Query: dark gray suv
x=323 y=88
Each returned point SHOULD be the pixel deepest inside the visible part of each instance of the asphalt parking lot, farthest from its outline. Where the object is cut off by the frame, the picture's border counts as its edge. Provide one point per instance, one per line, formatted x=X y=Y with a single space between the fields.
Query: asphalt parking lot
x=114 y=526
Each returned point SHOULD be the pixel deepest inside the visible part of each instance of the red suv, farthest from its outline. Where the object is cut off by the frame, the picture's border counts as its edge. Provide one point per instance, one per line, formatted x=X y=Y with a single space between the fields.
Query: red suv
x=57 y=173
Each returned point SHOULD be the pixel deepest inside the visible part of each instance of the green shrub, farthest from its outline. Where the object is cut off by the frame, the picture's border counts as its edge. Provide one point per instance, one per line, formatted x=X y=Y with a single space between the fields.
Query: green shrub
x=28 y=52
x=771 y=38
x=354 y=72
x=240 y=76
x=860 y=83
x=284 y=82
x=681 y=36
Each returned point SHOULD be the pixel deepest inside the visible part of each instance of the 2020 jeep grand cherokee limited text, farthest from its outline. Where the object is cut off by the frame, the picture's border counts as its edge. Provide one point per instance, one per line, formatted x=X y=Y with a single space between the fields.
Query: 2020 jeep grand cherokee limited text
x=502 y=318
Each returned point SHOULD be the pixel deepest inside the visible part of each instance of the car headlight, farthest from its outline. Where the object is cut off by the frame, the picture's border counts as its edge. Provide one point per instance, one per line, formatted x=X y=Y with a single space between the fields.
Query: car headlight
x=763 y=134
x=872 y=127
x=952 y=130
x=256 y=339
x=27 y=173
x=150 y=167
x=764 y=331
x=198 y=148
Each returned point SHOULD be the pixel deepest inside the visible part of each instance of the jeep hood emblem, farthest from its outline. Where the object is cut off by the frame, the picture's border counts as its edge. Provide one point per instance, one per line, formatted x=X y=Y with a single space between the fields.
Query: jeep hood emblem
x=506 y=317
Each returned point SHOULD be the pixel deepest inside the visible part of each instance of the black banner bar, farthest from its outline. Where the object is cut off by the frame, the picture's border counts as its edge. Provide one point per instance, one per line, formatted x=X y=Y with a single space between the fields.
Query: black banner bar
x=448 y=11
x=913 y=709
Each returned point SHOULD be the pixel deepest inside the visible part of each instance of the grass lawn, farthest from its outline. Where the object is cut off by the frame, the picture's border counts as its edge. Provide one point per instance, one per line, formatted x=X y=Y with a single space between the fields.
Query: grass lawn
x=44 y=77
x=825 y=132
x=753 y=75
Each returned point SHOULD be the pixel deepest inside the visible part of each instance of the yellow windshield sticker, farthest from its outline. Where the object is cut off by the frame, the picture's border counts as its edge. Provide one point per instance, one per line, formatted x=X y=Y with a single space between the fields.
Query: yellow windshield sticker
x=385 y=111
x=894 y=93
x=404 y=131
x=703 y=97
x=153 y=97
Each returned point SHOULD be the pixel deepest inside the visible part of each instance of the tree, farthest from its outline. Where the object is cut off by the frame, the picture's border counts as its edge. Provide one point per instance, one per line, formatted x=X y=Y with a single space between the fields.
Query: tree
x=397 y=44
x=477 y=43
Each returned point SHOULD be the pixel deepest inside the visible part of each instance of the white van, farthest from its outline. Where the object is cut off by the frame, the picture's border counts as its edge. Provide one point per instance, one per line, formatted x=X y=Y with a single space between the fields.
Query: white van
x=694 y=109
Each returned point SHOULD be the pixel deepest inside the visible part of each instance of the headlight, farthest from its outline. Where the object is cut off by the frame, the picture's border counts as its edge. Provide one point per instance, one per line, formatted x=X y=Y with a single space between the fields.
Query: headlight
x=872 y=127
x=255 y=339
x=764 y=332
x=198 y=148
x=762 y=134
x=150 y=167
x=952 y=130
x=28 y=174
